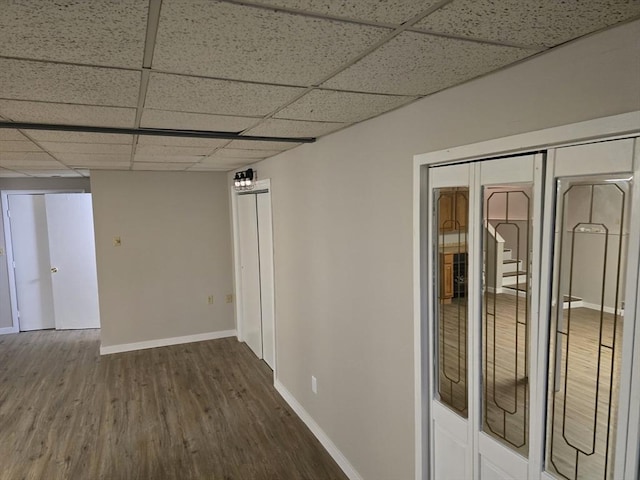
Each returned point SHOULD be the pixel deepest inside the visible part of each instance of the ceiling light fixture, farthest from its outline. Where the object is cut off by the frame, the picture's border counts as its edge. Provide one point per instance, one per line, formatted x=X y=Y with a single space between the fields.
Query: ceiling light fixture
x=244 y=180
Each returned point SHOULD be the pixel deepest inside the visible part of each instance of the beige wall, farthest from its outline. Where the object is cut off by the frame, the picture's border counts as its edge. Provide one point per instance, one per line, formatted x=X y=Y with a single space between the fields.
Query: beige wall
x=342 y=212
x=7 y=184
x=175 y=252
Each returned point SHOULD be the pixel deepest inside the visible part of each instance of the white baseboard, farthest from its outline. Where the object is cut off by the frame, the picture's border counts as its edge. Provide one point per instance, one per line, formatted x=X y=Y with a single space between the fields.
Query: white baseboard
x=595 y=306
x=164 y=342
x=7 y=330
x=326 y=442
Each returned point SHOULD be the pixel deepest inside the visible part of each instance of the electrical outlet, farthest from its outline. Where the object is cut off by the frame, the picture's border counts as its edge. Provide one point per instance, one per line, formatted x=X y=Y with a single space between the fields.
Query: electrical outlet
x=117 y=241
x=210 y=299
x=230 y=298
x=314 y=384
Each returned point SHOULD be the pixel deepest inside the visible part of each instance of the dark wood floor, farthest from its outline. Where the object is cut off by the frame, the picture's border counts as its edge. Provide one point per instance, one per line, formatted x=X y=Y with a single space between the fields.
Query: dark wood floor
x=204 y=410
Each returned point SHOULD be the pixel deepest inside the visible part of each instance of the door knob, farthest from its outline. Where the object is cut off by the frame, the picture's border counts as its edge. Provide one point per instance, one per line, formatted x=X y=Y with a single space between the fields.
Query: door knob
x=54 y=270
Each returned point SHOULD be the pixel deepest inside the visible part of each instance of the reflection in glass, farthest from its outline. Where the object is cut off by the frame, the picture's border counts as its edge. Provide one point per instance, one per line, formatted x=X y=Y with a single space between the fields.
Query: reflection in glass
x=586 y=330
x=452 y=206
x=506 y=311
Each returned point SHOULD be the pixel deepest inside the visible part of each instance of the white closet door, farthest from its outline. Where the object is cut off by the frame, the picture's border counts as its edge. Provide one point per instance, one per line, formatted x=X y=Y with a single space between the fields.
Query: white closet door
x=265 y=244
x=250 y=273
x=73 y=260
x=31 y=256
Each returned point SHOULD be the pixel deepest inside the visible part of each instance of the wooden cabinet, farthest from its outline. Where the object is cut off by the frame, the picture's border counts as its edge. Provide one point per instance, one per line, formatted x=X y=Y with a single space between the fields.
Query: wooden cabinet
x=453 y=209
x=446 y=277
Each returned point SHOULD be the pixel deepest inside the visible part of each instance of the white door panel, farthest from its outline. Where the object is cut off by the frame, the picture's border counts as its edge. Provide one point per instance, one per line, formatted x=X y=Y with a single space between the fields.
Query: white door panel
x=73 y=260
x=265 y=245
x=250 y=273
x=31 y=256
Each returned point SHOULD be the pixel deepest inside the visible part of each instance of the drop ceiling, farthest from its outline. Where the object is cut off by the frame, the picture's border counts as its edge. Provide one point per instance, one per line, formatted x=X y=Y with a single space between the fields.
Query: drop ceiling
x=272 y=68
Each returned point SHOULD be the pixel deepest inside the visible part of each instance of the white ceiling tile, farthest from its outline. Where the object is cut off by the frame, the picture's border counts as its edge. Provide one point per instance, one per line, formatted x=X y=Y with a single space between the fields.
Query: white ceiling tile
x=534 y=22
x=275 y=127
x=204 y=95
x=26 y=156
x=160 y=166
x=210 y=143
x=50 y=82
x=66 y=147
x=82 y=158
x=10 y=174
x=166 y=150
x=260 y=145
x=85 y=173
x=11 y=134
x=37 y=172
x=419 y=64
x=102 y=165
x=223 y=163
x=31 y=164
x=237 y=153
x=18 y=146
x=194 y=121
x=213 y=168
x=388 y=11
x=226 y=40
x=79 y=137
x=167 y=158
x=341 y=107
x=97 y=33
x=58 y=113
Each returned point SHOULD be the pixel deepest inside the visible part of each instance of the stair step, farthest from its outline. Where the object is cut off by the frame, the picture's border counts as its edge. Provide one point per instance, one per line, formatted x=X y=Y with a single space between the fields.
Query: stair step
x=514 y=274
x=511 y=260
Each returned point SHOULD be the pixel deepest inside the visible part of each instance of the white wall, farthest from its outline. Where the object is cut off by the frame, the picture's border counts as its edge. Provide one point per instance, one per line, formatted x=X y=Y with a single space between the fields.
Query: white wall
x=175 y=252
x=26 y=184
x=342 y=213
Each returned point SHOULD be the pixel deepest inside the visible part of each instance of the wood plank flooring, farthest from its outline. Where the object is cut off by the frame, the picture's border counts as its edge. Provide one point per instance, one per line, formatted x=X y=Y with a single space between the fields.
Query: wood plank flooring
x=204 y=410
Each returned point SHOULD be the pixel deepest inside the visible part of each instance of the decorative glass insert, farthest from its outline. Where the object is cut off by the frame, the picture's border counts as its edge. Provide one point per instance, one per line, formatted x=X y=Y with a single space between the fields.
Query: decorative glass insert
x=585 y=344
x=451 y=227
x=506 y=309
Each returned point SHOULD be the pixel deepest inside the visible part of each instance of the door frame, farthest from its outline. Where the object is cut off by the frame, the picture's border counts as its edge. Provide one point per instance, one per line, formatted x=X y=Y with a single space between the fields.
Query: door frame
x=264 y=184
x=606 y=128
x=8 y=241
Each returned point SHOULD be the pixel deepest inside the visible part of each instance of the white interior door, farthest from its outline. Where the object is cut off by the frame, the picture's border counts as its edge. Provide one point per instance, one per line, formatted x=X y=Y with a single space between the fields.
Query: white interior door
x=72 y=260
x=265 y=249
x=508 y=292
x=451 y=389
x=594 y=244
x=31 y=257
x=250 y=273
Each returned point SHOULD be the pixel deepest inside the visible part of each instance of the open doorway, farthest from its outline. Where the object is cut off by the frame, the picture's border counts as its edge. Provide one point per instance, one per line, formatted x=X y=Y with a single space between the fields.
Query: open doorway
x=50 y=251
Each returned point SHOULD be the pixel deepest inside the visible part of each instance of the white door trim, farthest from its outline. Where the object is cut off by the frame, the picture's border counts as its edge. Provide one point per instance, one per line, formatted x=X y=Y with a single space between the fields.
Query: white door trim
x=264 y=184
x=607 y=128
x=4 y=201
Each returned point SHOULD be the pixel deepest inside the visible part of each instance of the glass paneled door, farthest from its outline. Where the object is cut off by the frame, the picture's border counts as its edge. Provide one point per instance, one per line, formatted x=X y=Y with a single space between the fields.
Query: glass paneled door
x=533 y=288
x=484 y=294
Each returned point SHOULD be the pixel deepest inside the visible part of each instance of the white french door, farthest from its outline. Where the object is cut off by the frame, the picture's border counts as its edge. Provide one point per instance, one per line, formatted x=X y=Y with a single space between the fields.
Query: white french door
x=532 y=317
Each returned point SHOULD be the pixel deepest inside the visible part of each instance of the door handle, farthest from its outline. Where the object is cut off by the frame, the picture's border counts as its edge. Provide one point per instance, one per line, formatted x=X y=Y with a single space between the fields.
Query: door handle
x=54 y=270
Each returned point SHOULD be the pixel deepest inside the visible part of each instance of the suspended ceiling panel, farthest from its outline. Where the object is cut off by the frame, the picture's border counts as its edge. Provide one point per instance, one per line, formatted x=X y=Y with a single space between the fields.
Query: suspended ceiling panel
x=255 y=44
x=389 y=12
x=35 y=172
x=204 y=95
x=274 y=68
x=541 y=23
x=59 y=113
x=78 y=137
x=257 y=145
x=54 y=82
x=4 y=173
x=90 y=32
x=294 y=128
x=168 y=141
x=195 y=121
x=160 y=166
x=347 y=107
x=87 y=148
x=419 y=64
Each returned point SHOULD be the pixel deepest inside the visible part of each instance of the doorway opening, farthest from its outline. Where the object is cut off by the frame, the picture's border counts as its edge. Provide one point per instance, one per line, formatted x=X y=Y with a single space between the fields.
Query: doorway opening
x=50 y=257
